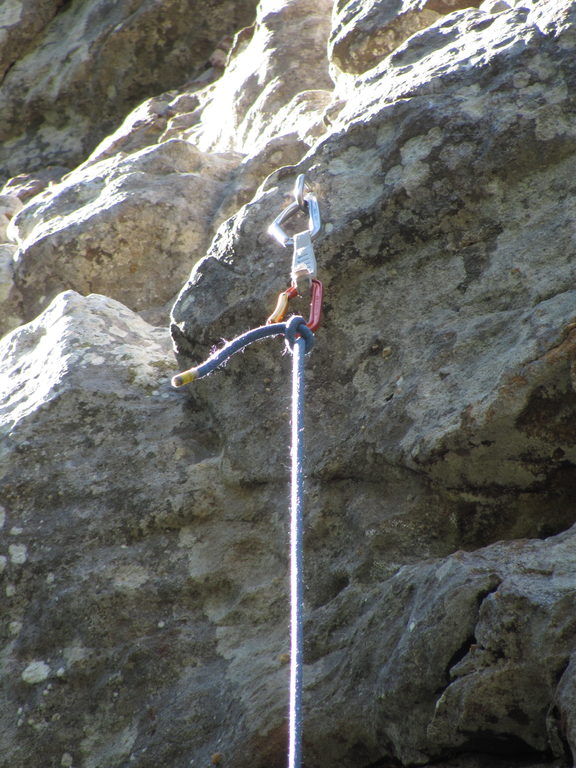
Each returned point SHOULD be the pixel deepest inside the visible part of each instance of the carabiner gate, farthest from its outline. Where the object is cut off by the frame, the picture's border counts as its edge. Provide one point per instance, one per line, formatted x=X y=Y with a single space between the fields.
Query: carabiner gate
x=315 y=305
x=299 y=188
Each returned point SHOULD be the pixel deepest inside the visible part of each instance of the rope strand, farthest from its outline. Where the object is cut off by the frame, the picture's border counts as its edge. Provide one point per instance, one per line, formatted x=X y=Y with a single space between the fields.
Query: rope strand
x=296 y=557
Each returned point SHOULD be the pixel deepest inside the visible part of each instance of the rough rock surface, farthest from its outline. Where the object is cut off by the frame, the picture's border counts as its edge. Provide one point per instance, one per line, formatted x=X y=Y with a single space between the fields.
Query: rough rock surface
x=428 y=190
x=143 y=531
x=156 y=168
x=120 y=226
x=61 y=90
x=364 y=33
x=21 y=21
x=277 y=70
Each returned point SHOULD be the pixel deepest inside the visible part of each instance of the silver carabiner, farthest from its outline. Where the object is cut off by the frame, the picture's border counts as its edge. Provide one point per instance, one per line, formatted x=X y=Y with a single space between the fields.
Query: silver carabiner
x=314 y=222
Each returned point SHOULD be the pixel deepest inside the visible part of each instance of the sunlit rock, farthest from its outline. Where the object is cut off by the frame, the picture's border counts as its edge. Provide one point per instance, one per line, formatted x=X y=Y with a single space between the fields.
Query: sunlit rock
x=364 y=33
x=78 y=68
x=265 y=89
x=127 y=226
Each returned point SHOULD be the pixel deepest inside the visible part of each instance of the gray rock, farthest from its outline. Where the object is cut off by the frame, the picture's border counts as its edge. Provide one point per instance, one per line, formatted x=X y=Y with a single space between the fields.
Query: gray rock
x=562 y=717
x=9 y=206
x=21 y=23
x=495 y=6
x=365 y=33
x=94 y=374
x=125 y=226
x=479 y=643
x=10 y=299
x=276 y=83
x=63 y=94
x=418 y=188
x=28 y=185
x=146 y=614
x=98 y=227
x=144 y=531
x=445 y=186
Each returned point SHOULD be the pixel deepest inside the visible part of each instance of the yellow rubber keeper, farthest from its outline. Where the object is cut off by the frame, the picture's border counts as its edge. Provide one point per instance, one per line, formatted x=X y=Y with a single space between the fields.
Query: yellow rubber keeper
x=184 y=378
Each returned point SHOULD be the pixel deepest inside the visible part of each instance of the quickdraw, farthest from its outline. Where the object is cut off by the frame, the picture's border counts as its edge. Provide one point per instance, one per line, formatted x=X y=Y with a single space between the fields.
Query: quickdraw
x=316 y=298
x=304 y=267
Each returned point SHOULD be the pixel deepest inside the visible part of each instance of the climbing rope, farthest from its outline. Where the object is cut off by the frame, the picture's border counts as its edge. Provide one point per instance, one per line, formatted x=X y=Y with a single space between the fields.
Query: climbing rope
x=299 y=336
x=296 y=557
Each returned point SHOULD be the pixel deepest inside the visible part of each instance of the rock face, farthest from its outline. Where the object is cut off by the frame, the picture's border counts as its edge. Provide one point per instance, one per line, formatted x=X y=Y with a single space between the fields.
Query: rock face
x=120 y=226
x=61 y=91
x=144 y=530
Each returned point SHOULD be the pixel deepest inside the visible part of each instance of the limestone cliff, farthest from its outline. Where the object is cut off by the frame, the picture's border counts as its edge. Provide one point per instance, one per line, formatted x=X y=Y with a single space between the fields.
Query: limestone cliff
x=143 y=544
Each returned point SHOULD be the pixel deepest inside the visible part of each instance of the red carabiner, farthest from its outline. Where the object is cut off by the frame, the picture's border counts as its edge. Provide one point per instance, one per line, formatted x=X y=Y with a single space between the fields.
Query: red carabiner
x=315 y=305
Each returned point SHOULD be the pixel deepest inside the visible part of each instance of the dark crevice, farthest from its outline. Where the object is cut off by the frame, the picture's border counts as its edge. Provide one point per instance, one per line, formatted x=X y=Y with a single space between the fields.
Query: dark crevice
x=504 y=745
x=557 y=734
x=496 y=581
x=499 y=513
x=461 y=652
x=486 y=758
x=465 y=648
x=5 y=73
x=327 y=589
